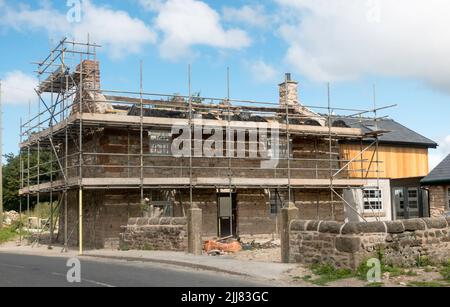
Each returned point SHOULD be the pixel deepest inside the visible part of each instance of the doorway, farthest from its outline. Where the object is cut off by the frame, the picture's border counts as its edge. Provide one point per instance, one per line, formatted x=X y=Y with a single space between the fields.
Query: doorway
x=227 y=215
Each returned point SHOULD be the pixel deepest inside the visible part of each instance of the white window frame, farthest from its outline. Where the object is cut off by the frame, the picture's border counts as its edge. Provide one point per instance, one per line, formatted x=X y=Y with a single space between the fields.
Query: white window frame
x=374 y=199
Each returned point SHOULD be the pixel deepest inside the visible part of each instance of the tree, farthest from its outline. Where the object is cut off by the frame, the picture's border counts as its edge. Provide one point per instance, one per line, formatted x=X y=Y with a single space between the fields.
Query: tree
x=11 y=182
x=11 y=178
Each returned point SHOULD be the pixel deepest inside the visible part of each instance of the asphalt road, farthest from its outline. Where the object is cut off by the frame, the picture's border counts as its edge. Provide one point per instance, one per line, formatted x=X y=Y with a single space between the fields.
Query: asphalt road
x=31 y=271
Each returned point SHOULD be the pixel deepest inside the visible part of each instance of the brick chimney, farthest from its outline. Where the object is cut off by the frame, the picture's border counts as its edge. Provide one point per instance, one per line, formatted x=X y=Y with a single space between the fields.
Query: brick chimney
x=93 y=100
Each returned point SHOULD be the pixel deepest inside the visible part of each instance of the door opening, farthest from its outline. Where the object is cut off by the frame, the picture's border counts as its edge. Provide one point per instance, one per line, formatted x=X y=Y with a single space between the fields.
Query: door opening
x=227 y=215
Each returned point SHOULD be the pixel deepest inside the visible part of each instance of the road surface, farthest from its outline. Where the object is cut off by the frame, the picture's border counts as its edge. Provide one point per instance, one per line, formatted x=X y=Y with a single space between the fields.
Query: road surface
x=30 y=271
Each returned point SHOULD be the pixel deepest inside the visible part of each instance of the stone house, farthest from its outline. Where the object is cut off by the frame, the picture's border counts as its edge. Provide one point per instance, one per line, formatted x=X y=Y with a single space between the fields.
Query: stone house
x=437 y=184
x=116 y=149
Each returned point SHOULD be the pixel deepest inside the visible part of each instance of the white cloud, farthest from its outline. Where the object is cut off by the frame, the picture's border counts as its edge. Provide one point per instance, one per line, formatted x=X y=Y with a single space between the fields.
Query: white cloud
x=253 y=15
x=18 y=88
x=262 y=72
x=333 y=40
x=116 y=30
x=151 y=5
x=436 y=156
x=186 y=23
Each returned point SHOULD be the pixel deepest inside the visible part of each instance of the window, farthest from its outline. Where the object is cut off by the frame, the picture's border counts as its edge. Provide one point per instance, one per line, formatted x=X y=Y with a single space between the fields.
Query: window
x=413 y=198
x=282 y=148
x=276 y=202
x=161 y=200
x=160 y=142
x=373 y=200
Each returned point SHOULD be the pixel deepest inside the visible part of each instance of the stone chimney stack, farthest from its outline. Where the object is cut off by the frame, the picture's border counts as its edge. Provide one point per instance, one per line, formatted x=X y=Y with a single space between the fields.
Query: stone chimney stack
x=289 y=95
x=292 y=92
x=93 y=100
x=91 y=74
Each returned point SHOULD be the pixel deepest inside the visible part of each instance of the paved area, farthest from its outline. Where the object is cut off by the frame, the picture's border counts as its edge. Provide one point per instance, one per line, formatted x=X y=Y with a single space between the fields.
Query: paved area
x=248 y=272
x=21 y=270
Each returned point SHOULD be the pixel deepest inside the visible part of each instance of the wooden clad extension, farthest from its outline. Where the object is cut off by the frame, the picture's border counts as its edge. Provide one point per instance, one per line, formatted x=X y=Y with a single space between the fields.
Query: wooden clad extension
x=395 y=161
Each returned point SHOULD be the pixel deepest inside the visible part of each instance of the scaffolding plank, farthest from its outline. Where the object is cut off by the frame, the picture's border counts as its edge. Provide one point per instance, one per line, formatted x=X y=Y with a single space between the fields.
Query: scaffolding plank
x=203 y=182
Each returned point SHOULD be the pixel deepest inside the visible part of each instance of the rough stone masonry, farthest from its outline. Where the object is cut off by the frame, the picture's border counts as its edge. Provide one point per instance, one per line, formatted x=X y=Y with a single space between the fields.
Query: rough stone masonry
x=168 y=234
x=347 y=245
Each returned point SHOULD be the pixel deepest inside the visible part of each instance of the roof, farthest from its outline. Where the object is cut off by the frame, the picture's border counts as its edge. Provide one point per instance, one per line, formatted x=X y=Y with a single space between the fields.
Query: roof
x=440 y=174
x=398 y=134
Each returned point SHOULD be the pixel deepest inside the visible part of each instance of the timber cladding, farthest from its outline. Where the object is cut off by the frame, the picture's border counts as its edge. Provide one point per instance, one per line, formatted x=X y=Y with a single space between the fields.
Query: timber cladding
x=395 y=161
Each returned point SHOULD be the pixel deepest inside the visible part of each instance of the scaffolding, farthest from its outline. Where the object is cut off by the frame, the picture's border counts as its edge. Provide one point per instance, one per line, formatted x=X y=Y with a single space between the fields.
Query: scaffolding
x=65 y=124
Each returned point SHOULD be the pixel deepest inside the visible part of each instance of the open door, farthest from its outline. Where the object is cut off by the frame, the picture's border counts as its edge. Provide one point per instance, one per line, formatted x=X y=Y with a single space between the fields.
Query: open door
x=227 y=215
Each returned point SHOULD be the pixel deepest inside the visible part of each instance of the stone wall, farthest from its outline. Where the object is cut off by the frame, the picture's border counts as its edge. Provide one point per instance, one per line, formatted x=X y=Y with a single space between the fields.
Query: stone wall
x=347 y=245
x=104 y=212
x=168 y=234
x=438 y=201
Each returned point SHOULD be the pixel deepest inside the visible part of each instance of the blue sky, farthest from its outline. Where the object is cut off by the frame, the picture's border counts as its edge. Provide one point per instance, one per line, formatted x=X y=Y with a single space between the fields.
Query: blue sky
x=401 y=47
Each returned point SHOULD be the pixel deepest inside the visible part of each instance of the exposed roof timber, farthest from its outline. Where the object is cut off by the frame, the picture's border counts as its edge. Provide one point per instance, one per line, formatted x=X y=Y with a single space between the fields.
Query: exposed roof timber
x=119 y=120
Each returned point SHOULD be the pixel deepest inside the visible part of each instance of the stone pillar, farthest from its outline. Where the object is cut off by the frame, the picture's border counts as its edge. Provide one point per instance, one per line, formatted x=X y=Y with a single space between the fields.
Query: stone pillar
x=195 y=243
x=288 y=213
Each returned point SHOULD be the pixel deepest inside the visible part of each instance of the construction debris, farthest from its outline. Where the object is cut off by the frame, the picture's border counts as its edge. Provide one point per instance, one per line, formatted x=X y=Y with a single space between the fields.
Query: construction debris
x=216 y=247
x=260 y=244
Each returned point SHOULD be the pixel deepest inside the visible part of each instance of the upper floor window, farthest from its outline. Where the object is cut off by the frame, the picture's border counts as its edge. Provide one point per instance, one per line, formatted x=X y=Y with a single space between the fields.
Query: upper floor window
x=282 y=148
x=373 y=199
x=160 y=142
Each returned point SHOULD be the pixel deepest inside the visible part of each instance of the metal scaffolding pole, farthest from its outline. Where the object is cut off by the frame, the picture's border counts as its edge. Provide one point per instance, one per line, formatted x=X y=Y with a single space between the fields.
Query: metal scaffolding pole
x=191 y=131
x=330 y=149
x=1 y=157
x=80 y=139
x=141 y=131
x=230 y=153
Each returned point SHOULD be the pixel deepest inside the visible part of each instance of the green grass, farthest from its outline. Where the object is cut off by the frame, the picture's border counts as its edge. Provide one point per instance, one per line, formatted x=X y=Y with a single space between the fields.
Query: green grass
x=327 y=273
x=445 y=271
x=424 y=261
x=7 y=234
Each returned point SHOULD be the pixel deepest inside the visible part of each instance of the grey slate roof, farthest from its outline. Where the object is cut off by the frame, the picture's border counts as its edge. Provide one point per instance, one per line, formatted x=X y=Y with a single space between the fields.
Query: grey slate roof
x=440 y=174
x=398 y=133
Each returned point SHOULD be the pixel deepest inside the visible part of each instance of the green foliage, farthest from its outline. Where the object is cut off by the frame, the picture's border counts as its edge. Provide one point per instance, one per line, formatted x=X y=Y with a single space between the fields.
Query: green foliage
x=11 y=182
x=445 y=271
x=7 y=234
x=424 y=261
x=327 y=273
x=11 y=177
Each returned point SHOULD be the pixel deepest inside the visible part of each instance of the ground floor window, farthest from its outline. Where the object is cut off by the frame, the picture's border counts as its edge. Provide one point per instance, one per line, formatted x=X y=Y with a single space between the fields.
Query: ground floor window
x=160 y=199
x=372 y=199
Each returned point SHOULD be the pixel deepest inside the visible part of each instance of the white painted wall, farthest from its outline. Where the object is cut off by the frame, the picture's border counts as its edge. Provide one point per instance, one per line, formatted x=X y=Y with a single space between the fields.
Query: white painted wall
x=355 y=199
